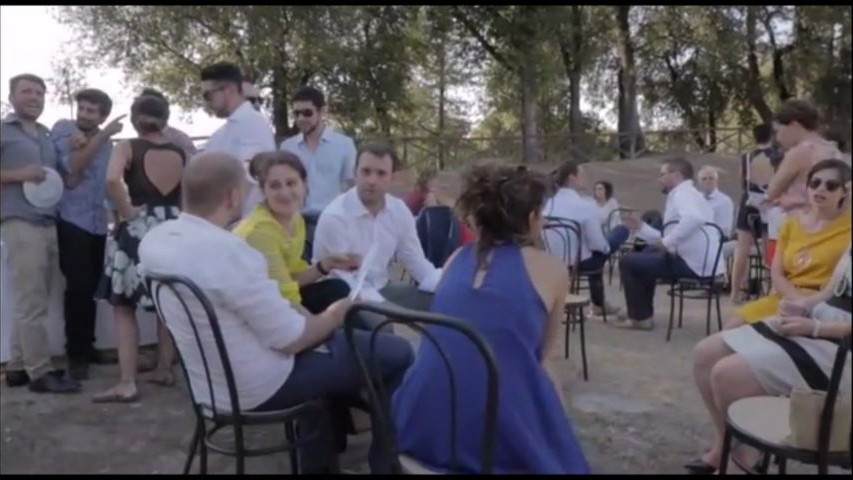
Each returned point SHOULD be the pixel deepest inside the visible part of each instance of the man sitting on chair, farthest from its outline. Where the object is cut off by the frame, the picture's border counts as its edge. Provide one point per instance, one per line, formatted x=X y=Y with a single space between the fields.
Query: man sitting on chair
x=271 y=346
x=683 y=251
x=367 y=216
x=595 y=246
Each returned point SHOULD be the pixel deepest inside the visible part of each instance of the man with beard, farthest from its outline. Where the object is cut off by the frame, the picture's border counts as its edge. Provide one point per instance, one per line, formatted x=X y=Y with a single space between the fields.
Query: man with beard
x=27 y=156
x=84 y=152
x=328 y=156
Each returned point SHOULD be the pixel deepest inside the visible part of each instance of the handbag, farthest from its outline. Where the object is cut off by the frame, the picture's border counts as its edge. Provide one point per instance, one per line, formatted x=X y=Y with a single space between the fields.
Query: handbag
x=806 y=407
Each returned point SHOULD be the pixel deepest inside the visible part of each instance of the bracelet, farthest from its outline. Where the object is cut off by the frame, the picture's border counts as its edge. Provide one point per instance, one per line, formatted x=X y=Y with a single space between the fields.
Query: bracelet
x=320 y=269
x=816 y=329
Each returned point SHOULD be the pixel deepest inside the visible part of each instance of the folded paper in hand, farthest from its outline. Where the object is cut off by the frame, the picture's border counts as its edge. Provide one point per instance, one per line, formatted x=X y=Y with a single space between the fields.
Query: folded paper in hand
x=363 y=270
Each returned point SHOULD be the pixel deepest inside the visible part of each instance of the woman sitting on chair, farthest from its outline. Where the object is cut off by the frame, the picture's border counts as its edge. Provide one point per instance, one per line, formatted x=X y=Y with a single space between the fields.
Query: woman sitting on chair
x=514 y=296
x=810 y=243
x=277 y=230
x=773 y=357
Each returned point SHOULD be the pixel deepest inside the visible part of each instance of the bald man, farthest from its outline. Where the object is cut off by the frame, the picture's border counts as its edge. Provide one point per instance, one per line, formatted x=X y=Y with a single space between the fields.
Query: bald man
x=251 y=93
x=724 y=208
x=280 y=356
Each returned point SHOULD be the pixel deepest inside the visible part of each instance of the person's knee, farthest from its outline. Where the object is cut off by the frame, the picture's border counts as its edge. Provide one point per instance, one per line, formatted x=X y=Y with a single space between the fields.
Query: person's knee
x=708 y=352
x=395 y=354
x=336 y=289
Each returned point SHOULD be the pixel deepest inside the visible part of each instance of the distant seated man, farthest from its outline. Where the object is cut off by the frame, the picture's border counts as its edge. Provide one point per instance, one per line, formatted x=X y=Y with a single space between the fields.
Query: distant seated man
x=721 y=204
x=367 y=216
x=683 y=251
x=595 y=246
x=271 y=346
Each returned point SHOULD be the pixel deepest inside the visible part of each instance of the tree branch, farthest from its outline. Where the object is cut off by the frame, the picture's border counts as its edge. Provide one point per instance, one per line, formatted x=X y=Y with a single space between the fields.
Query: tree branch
x=459 y=15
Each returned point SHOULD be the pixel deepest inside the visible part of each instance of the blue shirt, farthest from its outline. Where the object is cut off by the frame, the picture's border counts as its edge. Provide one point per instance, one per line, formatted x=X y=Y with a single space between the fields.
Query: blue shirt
x=18 y=148
x=84 y=205
x=329 y=167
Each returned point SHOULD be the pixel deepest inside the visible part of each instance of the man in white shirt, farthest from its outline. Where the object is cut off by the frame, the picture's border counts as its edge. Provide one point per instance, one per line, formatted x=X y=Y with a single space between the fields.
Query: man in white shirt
x=721 y=204
x=683 y=250
x=271 y=346
x=246 y=132
x=366 y=218
x=595 y=246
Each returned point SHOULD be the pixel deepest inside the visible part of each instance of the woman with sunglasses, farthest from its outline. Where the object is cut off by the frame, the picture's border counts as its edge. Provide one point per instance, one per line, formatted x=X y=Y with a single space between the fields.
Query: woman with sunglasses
x=810 y=242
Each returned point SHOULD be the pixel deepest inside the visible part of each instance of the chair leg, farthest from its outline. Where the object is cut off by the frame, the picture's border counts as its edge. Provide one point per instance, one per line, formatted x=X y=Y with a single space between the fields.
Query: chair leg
x=193 y=447
x=290 y=433
x=202 y=451
x=783 y=465
x=583 y=344
x=719 y=312
x=566 y=339
x=727 y=445
x=765 y=463
x=671 y=312
x=680 y=304
x=240 y=449
x=708 y=315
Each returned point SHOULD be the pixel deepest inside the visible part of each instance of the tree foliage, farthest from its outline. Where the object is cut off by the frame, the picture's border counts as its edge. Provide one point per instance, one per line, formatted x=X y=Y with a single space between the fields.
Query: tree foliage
x=543 y=71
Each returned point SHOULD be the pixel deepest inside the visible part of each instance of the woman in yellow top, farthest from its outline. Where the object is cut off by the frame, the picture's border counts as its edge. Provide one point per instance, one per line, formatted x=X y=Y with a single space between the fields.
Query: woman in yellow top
x=277 y=230
x=810 y=242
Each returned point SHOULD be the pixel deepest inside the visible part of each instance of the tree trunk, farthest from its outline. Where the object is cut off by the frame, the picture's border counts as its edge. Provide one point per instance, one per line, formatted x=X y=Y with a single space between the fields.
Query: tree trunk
x=442 y=93
x=630 y=134
x=280 y=104
x=529 y=114
x=756 y=92
x=575 y=117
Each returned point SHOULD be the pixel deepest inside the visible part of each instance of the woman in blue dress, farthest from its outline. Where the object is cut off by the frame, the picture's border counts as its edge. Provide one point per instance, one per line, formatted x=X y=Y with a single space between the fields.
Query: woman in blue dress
x=513 y=295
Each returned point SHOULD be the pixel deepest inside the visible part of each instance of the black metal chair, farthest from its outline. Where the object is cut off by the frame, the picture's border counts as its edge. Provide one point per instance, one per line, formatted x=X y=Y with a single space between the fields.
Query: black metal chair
x=575 y=303
x=763 y=423
x=623 y=250
x=416 y=321
x=758 y=277
x=698 y=288
x=204 y=402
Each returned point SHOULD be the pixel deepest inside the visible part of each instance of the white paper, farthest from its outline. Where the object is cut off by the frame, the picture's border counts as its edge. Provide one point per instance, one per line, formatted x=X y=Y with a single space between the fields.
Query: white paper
x=363 y=270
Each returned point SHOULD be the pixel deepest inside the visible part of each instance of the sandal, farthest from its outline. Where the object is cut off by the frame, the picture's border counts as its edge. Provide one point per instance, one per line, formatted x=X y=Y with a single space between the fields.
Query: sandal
x=165 y=379
x=112 y=396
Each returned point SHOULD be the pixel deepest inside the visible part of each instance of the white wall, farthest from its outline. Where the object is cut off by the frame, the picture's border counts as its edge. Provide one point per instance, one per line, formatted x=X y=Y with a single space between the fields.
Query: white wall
x=104 y=328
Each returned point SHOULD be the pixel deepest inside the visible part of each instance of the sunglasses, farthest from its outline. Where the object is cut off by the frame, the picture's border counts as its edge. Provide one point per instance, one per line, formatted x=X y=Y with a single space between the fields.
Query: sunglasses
x=831 y=185
x=306 y=112
x=208 y=94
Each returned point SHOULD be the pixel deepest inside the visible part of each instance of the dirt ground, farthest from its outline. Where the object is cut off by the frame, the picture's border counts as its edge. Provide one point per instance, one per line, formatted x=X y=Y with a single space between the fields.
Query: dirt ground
x=638 y=413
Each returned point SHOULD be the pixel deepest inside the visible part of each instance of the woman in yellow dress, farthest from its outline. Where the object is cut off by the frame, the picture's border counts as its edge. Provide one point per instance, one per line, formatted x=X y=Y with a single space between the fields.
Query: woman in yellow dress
x=810 y=242
x=277 y=230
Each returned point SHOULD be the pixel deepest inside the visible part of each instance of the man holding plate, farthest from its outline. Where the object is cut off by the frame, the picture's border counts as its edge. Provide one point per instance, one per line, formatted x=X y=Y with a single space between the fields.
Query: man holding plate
x=30 y=189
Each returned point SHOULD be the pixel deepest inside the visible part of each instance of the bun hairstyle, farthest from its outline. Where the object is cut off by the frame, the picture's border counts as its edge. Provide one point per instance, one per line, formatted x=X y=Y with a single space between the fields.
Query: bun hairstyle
x=149 y=114
x=499 y=200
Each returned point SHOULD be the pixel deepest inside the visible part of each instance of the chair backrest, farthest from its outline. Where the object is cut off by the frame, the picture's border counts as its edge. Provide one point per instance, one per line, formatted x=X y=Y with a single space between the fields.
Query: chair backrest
x=183 y=291
x=416 y=321
x=719 y=251
x=439 y=232
x=826 y=423
x=562 y=237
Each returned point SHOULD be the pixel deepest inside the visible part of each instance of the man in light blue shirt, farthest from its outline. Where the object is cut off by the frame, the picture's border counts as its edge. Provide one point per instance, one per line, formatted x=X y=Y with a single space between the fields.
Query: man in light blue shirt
x=328 y=156
x=83 y=151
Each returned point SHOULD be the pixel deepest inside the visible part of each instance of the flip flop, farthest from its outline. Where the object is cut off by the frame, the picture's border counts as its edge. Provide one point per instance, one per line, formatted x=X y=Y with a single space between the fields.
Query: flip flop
x=164 y=381
x=700 y=467
x=114 y=397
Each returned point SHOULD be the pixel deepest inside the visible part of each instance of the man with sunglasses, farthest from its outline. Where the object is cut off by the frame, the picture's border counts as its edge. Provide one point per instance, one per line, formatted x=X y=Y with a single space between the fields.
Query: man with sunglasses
x=252 y=95
x=328 y=156
x=246 y=132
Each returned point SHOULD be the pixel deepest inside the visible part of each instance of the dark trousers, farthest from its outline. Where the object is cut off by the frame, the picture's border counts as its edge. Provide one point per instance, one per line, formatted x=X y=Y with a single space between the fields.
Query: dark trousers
x=317 y=297
x=615 y=238
x=311 y=219
x=337 y=376
x=406 y=296
x=640 y=271
x=81 y=260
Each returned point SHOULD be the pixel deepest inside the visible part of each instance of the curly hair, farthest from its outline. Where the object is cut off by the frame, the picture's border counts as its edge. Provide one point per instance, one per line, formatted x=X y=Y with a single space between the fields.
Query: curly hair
x=499 y=200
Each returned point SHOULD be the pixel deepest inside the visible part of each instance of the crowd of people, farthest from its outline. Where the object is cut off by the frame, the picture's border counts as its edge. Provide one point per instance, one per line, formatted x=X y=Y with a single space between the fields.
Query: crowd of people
x=274 y=235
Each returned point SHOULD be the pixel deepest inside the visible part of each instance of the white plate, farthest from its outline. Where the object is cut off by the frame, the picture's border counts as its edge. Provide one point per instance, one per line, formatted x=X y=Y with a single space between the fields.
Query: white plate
x=47 y=193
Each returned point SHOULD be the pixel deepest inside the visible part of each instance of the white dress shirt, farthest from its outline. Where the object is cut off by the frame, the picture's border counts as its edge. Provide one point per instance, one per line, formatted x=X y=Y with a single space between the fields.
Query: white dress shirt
x=689 y=207
x=724 y=210
x=245 y=134
x=568 y=204
x=256 y=321
x=330 y=167
x=346 y=226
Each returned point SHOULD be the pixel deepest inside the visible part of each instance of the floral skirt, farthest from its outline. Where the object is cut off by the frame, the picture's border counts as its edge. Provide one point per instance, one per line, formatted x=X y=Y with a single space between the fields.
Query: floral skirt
x=121 y=284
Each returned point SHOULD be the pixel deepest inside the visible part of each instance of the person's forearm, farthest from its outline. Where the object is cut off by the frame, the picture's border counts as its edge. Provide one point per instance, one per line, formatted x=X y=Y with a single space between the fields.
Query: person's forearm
x=834 y=331
x=309 y=276
x=317 y=329
x=118 y=194
x=81 y=159
x=783 y=286
x=10 y=175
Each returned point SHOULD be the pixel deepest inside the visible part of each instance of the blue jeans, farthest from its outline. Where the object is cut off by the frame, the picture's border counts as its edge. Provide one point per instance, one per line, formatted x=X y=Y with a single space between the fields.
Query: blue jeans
x=615 y=238
x=337 y=376
x=640 y=271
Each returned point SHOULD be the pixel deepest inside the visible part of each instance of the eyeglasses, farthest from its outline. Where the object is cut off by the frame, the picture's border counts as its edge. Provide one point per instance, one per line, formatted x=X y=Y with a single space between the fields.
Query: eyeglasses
x=831 y=185
x=306 y=112
x=208 y=94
